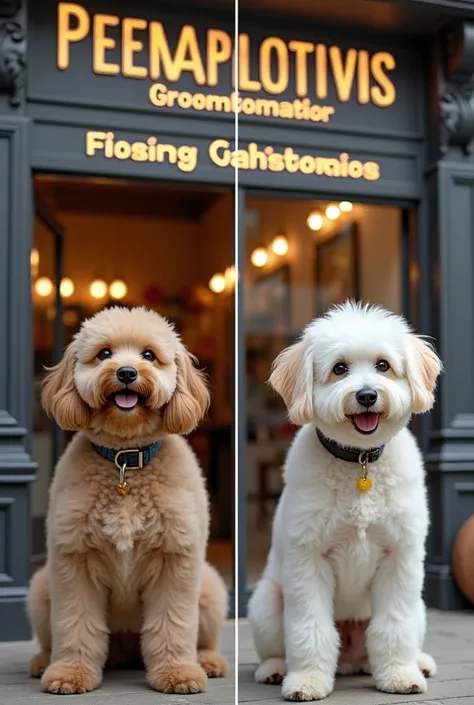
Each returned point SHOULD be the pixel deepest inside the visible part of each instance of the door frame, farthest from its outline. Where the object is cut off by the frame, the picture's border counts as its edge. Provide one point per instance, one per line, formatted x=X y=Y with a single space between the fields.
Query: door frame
x=412 y=231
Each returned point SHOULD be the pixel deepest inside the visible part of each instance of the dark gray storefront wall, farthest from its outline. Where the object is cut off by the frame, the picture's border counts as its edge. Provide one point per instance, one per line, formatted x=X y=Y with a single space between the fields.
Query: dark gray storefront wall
x=450 y=195
x=17 y=471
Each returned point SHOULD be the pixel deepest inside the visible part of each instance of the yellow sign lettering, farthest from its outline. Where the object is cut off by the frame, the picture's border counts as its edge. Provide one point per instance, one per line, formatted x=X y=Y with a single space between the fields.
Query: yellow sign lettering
x=67 y=34
x=253 y=157
x=102 y=43
x=268 y=69
x=245 y=82
x=131 y=46
x=277 y=47
x=219 y=50
x=343 y=71
x=301 y=50
x=384 y=94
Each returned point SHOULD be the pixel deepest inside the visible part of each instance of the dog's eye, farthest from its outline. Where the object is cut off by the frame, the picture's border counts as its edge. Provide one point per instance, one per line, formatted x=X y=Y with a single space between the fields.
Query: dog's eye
x=340 y=368
x=104 y=354
x=149 y=355
x=382 y=366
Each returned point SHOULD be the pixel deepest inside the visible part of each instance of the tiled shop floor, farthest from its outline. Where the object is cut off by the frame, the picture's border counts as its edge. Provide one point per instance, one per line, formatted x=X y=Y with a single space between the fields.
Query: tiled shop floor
x=450 y=640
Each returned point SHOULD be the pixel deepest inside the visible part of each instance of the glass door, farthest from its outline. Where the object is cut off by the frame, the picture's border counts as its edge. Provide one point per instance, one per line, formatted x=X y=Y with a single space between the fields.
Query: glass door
x=48 y=438
x=297 y=258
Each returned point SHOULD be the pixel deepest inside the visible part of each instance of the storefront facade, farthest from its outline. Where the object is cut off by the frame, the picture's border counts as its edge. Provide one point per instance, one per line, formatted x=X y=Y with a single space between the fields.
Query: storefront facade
x=327 y=115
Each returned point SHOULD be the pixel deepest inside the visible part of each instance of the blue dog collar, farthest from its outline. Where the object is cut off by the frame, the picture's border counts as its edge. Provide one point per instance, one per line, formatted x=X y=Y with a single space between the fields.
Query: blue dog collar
x=129 y=458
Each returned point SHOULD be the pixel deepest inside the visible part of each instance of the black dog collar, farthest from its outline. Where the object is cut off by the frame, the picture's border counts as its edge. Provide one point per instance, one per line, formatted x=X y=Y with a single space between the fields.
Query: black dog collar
x=351 y=455
x=131 y=458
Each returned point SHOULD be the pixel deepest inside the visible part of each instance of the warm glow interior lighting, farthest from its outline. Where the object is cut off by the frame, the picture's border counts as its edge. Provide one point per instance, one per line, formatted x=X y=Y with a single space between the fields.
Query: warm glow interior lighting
x=315 y=221
x=217 y=283
x=34 y=258
x=98 y=289
x=118 y=289
x=259 y=257
x=229 y=275
x=333 y=212
x=345 y=206
x=280 y=245
x=66 y=288
x=44 y=286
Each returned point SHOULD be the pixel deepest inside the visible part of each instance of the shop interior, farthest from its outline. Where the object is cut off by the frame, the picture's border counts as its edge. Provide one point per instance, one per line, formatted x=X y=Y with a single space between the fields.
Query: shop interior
x=138 y=243
x=301 y=257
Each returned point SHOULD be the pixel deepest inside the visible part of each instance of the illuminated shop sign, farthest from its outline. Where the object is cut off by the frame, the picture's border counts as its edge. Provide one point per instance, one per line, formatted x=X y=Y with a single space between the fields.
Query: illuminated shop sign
x=278 y=78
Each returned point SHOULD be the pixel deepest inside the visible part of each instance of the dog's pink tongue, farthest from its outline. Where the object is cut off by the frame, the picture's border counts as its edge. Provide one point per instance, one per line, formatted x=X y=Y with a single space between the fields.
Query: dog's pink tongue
x=126 y=400
x=366 y=422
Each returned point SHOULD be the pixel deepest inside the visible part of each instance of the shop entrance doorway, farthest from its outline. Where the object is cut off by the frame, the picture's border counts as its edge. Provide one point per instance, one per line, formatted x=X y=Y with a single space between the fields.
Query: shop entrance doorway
x=103 y=242
x=298 y=257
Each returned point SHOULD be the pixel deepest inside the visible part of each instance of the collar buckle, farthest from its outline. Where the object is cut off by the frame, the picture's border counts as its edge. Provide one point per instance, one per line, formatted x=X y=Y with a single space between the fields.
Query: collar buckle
x=135 y=462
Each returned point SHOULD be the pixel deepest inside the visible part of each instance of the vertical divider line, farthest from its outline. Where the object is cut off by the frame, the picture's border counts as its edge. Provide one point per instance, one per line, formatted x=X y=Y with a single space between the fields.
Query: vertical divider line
x=237 y=361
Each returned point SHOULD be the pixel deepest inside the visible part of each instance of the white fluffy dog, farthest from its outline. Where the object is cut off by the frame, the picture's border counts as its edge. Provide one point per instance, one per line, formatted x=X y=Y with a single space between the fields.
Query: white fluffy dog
x=342 y=587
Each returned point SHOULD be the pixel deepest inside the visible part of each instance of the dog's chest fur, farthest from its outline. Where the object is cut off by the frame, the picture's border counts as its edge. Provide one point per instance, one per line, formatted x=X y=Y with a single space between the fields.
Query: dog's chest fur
x=149 y=515
x=153 y=515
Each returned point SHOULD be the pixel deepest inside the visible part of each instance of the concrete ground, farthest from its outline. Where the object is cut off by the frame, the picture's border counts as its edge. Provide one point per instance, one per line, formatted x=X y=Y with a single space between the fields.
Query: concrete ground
x=118 y=688
x=450 y=640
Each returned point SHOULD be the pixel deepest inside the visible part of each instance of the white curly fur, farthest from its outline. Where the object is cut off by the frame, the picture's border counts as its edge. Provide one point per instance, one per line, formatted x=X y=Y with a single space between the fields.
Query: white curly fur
x=338 y=553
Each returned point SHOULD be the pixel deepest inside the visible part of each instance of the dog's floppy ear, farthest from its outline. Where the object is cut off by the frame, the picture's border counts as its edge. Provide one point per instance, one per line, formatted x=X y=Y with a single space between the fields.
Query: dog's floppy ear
x=292 y=378
x=60 y=397
x=191 y=398
x=423 y=370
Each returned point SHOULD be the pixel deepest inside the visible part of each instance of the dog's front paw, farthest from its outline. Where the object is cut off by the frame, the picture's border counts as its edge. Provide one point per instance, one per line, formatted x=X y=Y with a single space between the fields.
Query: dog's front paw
x=302 y=687
x=39 y=664
x=69 y=678
x=272 y=671
x=427 y=665
x=183 y=679
x=213 y=663
x=401 y=679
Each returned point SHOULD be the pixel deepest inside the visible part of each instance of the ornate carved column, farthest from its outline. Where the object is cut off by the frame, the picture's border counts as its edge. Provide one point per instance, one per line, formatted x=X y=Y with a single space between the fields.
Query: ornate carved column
x=17 y=470
x=450 y=199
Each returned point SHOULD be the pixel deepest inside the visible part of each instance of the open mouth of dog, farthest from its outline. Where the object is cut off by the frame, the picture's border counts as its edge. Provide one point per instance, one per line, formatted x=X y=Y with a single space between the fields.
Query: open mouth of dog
x=366 y=423
x=126 y=399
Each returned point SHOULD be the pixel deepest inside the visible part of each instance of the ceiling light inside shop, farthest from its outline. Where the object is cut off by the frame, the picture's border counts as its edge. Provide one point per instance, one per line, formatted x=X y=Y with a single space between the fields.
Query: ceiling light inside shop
x=259 y=257
x=217 y=283
x=333 y=212
x=66 y=288
x=98 y=289
x=118 y=289
x=315 y=221
x=345 y=206
x=44 y=286
x=229 y=274
x=34 y=258
x=280 y=245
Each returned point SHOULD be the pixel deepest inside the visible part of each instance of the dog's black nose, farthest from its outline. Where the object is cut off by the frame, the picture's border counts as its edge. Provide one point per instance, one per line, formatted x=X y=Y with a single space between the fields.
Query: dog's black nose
x=366 y=397
x=127 y=375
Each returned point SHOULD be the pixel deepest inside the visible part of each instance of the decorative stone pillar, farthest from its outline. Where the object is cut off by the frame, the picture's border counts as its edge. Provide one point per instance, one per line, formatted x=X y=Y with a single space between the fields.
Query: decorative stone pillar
x=450 y=200
x=17 y=470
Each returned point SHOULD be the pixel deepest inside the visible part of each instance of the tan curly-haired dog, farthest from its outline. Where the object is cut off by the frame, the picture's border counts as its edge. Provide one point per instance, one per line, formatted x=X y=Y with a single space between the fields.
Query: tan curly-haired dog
x=126 y=546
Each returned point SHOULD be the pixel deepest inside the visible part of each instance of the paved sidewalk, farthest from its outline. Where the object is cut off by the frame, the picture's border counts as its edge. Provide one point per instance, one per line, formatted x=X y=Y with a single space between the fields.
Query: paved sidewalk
x=450 y=640
x=118 y=688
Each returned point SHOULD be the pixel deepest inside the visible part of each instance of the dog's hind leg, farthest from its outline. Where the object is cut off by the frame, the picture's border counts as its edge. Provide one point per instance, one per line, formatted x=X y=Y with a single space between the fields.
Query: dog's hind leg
x=426 y=663
x=38 y=606
x=213 y=606
x=266 y=618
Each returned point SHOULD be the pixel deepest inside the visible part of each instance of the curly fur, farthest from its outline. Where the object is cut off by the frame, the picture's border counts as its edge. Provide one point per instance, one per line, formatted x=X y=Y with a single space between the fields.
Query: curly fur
x=126 y=577
x=343 y=581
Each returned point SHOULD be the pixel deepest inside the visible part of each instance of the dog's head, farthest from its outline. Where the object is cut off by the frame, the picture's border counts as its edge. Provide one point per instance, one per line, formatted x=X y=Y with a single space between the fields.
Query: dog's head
x=126 y=376
x=358 y=373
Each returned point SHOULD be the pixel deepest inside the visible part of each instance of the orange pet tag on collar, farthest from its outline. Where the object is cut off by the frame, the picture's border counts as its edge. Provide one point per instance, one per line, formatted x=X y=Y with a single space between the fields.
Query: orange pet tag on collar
x=122 y=488
x=364 y=484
